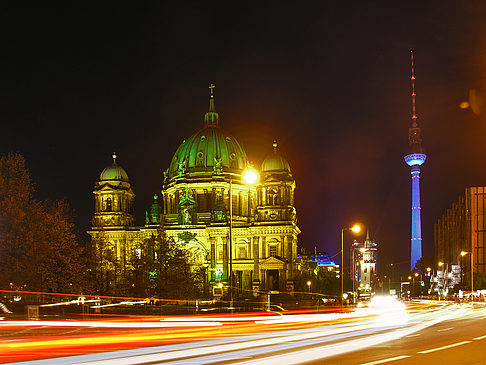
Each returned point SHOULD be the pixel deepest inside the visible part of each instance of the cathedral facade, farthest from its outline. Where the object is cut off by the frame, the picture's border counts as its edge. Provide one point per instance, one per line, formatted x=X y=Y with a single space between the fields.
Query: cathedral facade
x=208 y=208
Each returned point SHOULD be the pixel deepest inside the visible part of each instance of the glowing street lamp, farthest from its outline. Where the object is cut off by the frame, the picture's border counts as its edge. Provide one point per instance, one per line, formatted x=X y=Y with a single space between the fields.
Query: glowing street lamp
x=309 y=283
x=356 y=228
x=250 y=176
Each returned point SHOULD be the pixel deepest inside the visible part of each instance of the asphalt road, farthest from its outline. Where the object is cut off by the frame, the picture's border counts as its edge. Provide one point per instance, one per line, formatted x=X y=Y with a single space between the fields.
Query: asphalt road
x=427 y=333
x=453 y=341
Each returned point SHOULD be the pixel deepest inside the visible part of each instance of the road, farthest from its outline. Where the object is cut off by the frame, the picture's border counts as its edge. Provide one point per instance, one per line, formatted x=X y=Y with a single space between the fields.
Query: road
x=425 y=333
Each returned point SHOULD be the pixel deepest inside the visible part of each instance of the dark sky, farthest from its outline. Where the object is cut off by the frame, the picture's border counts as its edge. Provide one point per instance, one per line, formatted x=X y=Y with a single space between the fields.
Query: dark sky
x=329 y=80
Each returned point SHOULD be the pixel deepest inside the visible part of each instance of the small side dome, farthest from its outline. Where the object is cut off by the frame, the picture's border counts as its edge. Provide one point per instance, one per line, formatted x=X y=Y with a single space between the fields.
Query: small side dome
x=275 y=162
x=114 y=172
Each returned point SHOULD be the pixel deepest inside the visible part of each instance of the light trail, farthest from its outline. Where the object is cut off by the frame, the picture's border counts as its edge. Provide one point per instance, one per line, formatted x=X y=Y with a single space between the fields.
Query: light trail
x=205 y=339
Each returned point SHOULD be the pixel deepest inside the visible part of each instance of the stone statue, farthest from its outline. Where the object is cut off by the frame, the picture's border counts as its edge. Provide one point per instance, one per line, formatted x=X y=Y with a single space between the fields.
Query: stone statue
x=187 y=217
x=218 y=165
x=182 y=168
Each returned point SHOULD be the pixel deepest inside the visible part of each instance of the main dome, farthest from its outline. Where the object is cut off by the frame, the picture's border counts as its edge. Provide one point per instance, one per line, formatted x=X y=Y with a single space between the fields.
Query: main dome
x=208 y=152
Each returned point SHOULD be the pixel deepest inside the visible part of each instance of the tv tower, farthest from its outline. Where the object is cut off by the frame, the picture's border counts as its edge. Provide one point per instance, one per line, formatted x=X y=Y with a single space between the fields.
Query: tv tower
x=415 y=158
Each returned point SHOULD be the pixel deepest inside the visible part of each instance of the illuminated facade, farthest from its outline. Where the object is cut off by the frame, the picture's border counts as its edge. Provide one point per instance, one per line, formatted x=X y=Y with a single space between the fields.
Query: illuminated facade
x=363 y=265
x=415 y=159
x=194 y=209
x=463 y=228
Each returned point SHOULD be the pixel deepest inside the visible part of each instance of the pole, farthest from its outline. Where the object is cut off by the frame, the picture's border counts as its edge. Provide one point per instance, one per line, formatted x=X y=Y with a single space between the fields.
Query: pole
x=353 y=272
x=231 y=242
x=342 y=266
x=472 y=270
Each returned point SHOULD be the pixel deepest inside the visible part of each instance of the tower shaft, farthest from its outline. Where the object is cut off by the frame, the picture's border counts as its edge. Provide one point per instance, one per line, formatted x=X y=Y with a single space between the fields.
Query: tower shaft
x=416 y=234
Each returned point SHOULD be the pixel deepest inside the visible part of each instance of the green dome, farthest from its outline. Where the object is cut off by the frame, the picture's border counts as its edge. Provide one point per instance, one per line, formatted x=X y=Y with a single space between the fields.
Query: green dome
x=207 y=152
x=114 y=172
x=275 y=162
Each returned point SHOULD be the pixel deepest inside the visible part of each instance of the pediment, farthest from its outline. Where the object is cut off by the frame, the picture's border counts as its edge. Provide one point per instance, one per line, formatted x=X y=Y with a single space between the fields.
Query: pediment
x=273 y=263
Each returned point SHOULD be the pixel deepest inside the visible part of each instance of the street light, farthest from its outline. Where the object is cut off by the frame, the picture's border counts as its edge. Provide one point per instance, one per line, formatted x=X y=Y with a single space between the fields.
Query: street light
x=356 y=228
x=249 y=177
x=309 y=283
x=413 y=284
x=440 y=264
x=464 y=253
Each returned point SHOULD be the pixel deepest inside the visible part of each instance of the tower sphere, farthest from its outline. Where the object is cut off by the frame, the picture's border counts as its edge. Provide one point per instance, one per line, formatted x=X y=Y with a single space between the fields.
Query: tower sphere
x=415 y=159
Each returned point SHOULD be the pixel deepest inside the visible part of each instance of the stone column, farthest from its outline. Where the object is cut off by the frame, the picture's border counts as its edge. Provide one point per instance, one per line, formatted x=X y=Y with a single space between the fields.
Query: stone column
x=225 y=259
x=256 y=266
x=290 y=265
x=214 y=247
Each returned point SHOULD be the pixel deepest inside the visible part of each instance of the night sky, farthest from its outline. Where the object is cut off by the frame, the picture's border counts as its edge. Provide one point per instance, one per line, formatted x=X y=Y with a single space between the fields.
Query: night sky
x=328 y=80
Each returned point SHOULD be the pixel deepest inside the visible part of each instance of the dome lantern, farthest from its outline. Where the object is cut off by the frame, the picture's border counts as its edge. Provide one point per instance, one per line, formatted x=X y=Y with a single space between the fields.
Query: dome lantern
x=211 y=118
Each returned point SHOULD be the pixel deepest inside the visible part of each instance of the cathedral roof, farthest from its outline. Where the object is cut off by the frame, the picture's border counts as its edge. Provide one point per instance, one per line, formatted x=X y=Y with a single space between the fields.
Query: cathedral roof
x=208 y=152
x=275 y=162
x=114 y=172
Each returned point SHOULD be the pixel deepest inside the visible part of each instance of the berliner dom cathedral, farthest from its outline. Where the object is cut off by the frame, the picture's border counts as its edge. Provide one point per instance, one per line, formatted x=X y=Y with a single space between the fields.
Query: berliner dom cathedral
x=229 y=216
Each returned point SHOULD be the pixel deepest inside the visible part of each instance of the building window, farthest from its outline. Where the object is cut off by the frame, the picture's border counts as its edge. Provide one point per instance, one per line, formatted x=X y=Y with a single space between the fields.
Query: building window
x=108 y=204
x=138 y=253
x=273 y=250
x=242 y=252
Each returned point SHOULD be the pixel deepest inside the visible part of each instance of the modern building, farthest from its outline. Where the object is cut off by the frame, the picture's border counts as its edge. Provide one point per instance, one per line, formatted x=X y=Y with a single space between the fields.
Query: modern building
x=318 y=261
x=363 y=265
x=462 y=228
x=229 y=226
x=415 y=158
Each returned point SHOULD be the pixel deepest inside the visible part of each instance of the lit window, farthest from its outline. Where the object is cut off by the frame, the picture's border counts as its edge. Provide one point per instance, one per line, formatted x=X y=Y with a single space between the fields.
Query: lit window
x=273 y=250
x=138 y=253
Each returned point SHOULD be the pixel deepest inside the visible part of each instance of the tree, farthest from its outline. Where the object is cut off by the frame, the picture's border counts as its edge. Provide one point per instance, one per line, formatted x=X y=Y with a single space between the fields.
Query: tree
x=163 y=269
x=38 y=243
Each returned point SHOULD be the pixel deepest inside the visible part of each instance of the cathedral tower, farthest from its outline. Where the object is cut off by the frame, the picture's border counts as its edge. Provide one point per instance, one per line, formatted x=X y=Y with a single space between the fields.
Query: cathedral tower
x=114 y=199
x=415 y=158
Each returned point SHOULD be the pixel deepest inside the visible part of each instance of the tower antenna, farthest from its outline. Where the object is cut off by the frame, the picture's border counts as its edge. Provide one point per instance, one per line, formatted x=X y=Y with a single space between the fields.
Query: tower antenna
x=414 y=115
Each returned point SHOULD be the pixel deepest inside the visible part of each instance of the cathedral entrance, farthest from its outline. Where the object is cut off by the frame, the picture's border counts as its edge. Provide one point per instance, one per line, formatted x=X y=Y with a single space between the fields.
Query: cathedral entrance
x=238 y=281
x=272 y=280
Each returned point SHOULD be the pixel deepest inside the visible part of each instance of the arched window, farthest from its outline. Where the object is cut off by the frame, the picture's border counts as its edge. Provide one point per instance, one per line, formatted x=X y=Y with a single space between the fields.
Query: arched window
x=108 y=204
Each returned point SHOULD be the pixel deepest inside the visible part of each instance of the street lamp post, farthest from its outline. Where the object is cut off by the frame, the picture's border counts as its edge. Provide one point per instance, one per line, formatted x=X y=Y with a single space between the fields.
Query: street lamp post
x=356 y=229
x=413 y=283
x=231 y=241
x=440 y=264
x=464 y=253
x=250 y=177
x=410 y=278
x=309 y=283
